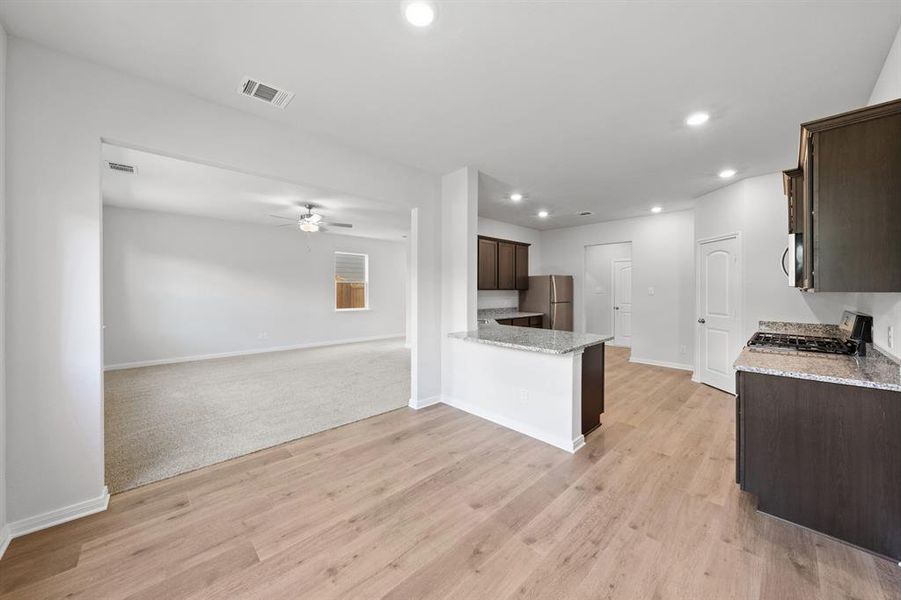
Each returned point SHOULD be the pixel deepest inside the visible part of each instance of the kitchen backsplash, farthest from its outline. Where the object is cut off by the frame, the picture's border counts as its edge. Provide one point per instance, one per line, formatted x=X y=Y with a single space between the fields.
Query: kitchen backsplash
x=498 y=299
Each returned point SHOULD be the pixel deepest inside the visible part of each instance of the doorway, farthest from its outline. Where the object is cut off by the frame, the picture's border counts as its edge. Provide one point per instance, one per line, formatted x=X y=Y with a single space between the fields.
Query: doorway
x=719 y=310
x=608 y=291
x=241 y=312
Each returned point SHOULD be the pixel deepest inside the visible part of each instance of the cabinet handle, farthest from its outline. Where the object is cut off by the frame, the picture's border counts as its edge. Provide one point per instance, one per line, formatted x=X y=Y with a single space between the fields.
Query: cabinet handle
x=783 y=261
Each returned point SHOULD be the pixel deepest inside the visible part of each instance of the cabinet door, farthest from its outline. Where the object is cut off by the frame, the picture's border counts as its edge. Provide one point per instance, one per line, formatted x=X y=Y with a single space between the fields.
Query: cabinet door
x=857 y=207
x=522 y=267
x=536 y=321
x=521 y=322
x=506 y=266
x=795 y=201
x=487 y=264
x=505 y=321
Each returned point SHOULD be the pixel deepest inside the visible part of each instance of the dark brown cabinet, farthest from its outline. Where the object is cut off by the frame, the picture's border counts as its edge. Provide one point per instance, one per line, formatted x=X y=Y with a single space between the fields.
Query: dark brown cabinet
x=487 y=264
x=844 y=200
x=503 y=264
x=506 y=266
x=823 y=455
x=522 y=267
x=522 y=321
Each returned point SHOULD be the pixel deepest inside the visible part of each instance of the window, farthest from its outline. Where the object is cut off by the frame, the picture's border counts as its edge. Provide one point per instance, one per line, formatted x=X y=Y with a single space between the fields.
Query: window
x=351 y=281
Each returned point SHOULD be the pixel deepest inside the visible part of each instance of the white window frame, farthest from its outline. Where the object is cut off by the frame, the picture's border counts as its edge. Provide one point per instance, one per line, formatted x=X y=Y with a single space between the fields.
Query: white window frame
x=365 y=282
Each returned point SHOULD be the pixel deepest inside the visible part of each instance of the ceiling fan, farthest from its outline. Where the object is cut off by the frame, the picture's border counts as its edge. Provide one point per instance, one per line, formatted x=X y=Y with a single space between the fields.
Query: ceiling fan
x=310 y=221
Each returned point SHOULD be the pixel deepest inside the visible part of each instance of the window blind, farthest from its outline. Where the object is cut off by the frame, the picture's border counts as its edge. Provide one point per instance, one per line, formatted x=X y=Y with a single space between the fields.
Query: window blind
x=350 y=268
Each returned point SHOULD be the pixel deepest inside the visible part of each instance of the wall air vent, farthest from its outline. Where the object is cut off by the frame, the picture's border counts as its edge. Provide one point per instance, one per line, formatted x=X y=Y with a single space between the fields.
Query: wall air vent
x=265 y=92
x=123 y=168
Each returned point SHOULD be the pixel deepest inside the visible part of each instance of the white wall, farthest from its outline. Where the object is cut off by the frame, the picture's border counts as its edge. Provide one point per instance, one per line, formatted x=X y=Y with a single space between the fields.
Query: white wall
x=530 y=392
x=4 y=530
x=516 y=233
x=662 y=258
x=176 y=286
x=599 y=285
x=757 y=208
x=57 y=118
x=888 y=85
x=459 y=206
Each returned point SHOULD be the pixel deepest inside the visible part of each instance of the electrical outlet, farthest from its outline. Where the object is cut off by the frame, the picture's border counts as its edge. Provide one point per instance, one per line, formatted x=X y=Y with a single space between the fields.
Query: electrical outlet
x=523 y=395
x=891 y=337
x=650 y=291
x=682 y=349
x=263 y=335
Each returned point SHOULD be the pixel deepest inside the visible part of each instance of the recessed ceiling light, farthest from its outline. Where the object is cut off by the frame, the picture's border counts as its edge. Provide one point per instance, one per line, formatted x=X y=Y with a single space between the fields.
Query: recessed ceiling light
x=516 y=196
x=657 y=209
x=543 y=214
x=420 y=14
x=727 y=173
x=698 y=118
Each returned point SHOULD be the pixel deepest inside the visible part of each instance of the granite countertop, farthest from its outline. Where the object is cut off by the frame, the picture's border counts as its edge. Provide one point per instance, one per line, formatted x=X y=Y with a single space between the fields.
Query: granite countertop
x=546 y=341
x=505 y=313
x=875 y=370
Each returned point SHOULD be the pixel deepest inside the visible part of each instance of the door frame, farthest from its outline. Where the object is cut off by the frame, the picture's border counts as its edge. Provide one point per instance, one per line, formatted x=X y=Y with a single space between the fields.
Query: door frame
x=613 y=301
x=696 y=376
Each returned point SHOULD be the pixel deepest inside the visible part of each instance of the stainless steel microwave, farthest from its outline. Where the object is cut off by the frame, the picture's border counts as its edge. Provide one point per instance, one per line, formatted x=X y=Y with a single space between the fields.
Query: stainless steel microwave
x=793 y=260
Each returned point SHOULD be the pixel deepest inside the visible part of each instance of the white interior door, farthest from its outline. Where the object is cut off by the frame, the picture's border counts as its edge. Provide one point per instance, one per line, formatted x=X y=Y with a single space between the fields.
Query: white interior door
x=622 y=302
x=718 y=306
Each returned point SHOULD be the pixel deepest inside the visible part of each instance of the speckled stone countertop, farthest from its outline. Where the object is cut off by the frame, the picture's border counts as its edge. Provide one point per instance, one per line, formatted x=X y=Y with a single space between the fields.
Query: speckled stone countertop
x=875 y=370
x=547 y=341
x=506 y=313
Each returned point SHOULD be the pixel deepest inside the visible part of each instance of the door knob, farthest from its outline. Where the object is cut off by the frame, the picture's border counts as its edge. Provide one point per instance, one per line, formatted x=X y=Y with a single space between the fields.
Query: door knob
x=615 y=308
x=702 y=321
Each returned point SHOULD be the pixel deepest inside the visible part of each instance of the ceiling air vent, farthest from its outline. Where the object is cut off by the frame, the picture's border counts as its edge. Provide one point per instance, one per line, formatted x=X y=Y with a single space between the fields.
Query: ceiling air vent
x=123 y=168
x=584 y=213
x=265 y=92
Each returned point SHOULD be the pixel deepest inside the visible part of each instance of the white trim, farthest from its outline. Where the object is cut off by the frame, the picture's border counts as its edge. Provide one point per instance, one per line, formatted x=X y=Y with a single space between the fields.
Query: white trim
x=570 y=446
x=60 y=515
x=416 y=404
x=5 y=539
x=182 y=359
x=661 y=363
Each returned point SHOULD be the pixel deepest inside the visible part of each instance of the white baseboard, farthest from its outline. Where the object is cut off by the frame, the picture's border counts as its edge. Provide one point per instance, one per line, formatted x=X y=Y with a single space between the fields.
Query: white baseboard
x=662 y=363
x=5 y=539
x=417 y=404
x=570 y=446
x=183 y=359
x=60 y=515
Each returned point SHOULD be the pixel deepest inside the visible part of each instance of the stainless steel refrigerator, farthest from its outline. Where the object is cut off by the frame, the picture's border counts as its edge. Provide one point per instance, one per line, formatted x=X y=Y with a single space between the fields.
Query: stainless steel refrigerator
x=551 y=295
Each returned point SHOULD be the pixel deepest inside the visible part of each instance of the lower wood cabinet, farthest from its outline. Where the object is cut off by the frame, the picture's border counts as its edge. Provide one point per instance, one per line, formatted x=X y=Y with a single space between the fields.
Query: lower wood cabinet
x=823 y=455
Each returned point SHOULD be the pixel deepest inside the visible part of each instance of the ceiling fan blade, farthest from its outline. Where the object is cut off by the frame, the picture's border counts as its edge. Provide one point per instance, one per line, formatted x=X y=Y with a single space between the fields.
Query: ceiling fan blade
x=330 y=224
x=288 y=225
x=285 y=218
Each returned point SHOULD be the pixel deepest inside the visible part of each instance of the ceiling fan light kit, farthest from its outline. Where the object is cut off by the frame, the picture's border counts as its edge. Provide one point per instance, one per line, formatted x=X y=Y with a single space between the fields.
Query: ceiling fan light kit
x=311 y=222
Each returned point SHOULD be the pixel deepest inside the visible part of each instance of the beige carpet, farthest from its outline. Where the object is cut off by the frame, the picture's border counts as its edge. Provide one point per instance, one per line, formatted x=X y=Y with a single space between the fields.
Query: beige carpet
x=166 y=420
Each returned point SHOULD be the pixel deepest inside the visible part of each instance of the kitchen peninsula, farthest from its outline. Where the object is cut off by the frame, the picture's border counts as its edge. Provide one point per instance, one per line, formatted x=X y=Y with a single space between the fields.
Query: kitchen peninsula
x=547 y=384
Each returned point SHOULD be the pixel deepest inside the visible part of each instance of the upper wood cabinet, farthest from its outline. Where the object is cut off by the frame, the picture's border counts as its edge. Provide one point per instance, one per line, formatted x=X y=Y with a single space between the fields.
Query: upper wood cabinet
x=487 y=264
x=503 y=264
x=506 y=266
x=845 y=201
x=522 y=267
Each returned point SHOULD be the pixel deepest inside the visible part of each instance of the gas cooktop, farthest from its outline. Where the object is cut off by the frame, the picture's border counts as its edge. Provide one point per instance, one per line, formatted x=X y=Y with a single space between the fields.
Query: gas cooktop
x=804 y=343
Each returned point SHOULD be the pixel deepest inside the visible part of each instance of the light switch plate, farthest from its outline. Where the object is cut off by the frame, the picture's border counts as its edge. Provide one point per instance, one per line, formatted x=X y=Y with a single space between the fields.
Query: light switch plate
x=891 y=337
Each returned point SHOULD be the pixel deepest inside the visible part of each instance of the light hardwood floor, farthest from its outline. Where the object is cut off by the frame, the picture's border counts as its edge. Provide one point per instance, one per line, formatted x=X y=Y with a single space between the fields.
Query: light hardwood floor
x=441 y=504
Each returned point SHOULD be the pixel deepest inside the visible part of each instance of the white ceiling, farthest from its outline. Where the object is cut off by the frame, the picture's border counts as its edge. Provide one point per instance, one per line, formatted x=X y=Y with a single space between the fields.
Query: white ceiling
x=178 y=186
x=579 y=104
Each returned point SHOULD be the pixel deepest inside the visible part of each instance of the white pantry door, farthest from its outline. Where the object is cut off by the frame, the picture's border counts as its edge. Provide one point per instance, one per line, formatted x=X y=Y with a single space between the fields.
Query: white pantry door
x=622 y=302
x=718 y=321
